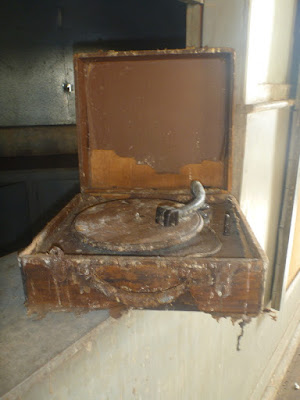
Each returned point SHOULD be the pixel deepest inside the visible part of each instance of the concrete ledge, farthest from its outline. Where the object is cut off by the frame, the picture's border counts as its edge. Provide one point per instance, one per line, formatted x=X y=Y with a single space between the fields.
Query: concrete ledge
x=27 y=343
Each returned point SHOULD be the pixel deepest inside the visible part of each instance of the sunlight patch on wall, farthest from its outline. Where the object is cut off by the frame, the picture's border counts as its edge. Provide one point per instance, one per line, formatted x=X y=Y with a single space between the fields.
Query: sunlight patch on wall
x=259 y=48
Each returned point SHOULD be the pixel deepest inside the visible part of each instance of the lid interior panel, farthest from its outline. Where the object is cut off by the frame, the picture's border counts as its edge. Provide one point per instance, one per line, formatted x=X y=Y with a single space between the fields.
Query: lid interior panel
x=154 y=119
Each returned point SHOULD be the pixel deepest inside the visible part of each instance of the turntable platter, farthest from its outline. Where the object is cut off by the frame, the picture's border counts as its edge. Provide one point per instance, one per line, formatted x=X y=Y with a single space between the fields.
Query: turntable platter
x=129 y=225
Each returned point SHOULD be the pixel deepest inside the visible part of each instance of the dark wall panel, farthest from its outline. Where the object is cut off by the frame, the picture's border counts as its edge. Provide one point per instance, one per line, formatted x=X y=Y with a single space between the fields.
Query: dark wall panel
x=38 y=38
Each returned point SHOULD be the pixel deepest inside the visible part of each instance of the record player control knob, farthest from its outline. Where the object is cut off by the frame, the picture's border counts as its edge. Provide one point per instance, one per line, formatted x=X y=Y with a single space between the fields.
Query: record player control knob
x=170 y=216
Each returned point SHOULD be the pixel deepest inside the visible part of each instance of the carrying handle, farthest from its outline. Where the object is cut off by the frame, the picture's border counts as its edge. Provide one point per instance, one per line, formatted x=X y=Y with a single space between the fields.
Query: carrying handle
x=134 y=299
x=130 y=299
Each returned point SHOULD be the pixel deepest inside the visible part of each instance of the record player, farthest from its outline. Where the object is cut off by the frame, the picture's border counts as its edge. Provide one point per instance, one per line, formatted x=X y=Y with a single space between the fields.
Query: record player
x=154 y=226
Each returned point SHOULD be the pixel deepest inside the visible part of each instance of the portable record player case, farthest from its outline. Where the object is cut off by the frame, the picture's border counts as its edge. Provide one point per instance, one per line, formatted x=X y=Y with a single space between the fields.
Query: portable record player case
x=150 y=123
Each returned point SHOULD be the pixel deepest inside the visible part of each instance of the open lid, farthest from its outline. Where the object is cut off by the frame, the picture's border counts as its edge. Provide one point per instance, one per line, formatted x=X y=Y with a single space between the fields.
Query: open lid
x=154 y=119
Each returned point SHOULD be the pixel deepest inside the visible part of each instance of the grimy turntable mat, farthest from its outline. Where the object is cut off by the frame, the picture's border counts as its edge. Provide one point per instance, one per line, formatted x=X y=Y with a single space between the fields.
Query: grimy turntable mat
x=154 y=119
x=129 y=225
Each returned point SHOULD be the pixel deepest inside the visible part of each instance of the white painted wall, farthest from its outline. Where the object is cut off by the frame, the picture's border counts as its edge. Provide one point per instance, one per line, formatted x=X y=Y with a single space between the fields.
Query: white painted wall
x=269 y=47
x=226 y=25
x=263 y=174
x=270 y=40
x=157 y=355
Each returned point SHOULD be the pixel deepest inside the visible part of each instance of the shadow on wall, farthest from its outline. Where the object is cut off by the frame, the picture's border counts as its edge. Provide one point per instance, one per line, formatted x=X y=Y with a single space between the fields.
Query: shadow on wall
x=27 y=204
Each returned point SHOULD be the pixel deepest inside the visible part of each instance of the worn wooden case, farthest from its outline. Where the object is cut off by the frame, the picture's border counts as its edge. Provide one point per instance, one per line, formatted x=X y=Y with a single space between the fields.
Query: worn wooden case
x=149 y=122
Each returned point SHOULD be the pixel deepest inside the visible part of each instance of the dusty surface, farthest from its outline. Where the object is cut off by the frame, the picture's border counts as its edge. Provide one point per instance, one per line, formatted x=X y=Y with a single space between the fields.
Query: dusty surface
x=288 y=389
x=26 y=343
x=209 y=242
x=130 y=224
x=63 y=273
